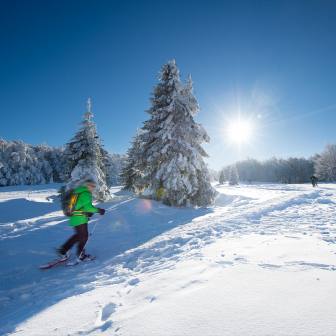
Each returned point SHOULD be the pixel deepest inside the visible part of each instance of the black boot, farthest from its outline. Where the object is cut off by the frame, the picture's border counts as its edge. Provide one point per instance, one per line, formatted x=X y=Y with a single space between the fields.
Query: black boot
x=84 y=257
x=60 y=252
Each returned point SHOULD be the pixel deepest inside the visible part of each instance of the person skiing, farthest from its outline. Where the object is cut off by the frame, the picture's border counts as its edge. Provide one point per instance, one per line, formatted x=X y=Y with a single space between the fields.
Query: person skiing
x=313 y=180
x=83 y=210
x=289 y=180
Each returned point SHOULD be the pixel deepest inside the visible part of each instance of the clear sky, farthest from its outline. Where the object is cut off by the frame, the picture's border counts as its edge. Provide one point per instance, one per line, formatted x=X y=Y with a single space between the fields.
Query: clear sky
x=269 y=64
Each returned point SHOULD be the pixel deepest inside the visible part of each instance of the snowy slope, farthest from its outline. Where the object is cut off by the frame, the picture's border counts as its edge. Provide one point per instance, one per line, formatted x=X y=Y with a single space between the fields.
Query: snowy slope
x=260 y=262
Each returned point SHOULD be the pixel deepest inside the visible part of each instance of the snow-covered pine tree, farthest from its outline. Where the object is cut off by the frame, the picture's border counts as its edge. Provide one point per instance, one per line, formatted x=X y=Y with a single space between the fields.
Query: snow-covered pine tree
x=130 y=174
x=233 y=176
x=172 y=155
x=222 y=177
x=105 y=162
x=83 y=159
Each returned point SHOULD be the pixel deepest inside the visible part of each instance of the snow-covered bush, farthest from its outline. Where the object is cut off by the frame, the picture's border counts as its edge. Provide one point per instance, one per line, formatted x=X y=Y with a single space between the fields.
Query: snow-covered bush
x=84 y=159
x=233 y=176
x=172 y=156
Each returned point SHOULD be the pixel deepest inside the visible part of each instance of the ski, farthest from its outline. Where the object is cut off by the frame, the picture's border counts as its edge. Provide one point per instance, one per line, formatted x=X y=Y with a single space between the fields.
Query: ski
x=76 y=262
x=55 y=262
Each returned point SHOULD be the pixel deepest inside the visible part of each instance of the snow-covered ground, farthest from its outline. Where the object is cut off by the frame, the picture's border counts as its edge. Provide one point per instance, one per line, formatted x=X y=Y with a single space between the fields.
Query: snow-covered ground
x=259 y=262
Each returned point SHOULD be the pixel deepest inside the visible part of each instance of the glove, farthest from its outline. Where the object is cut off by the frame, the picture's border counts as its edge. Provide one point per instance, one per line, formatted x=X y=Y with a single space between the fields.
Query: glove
x=89 y=214
x=101 y=211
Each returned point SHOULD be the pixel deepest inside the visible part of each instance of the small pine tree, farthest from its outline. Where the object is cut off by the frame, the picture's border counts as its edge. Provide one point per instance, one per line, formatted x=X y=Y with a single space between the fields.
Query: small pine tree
x=105 y=162
x=84 y=160
x=172 y=155
x=130 y=175
x=233 y=176
x=222 y=177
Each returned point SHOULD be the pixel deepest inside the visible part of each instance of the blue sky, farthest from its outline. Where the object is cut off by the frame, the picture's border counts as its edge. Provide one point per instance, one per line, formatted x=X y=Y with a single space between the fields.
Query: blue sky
x=271 y=64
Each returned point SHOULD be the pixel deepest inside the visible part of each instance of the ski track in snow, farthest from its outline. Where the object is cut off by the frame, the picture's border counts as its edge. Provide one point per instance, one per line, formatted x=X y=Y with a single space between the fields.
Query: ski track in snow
x=149 y=253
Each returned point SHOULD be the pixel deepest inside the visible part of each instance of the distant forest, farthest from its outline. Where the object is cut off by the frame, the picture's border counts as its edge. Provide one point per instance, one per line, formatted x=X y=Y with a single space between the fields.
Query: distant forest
x=23 y=164
x=299 y=170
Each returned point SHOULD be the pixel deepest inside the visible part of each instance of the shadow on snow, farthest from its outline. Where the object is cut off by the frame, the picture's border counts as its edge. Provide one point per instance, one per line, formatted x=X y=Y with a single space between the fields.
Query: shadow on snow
x=26 y=290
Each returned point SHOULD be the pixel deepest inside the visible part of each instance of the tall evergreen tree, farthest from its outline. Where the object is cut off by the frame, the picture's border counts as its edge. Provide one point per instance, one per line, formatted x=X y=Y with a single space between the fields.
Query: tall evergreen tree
x=130 y=174
x=233 y=176
x=84 y=160
x=222 y=177
x=172 y=155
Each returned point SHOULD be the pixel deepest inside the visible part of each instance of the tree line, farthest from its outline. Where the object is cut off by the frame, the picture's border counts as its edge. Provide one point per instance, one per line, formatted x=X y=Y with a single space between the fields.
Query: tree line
x=24 y=164
x=298 y=170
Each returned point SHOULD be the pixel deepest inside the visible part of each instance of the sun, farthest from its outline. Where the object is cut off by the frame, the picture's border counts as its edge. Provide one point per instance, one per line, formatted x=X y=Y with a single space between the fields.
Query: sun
x=239 y=131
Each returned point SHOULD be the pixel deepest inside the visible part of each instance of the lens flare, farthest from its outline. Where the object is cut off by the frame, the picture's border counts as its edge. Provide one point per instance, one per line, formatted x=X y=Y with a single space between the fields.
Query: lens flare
x=119 y=223
x=146 y=206
x=143 y=206
x=161 y=192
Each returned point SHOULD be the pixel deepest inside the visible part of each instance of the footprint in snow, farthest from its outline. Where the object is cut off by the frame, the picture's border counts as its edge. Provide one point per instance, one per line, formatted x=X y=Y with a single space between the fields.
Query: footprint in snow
x=133 y=281
x=269 y=266
x=107 y=311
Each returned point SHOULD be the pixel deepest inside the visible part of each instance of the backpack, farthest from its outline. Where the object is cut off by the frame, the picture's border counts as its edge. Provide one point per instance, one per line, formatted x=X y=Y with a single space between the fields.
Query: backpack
x=69 y=202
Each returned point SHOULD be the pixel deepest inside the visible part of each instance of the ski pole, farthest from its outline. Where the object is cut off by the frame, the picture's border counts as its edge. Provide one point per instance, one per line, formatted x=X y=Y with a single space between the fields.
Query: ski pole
x=89 y=237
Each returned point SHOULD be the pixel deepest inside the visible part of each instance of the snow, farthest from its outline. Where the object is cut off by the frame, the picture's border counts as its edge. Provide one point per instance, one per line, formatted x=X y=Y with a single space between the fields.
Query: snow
x=261 y=261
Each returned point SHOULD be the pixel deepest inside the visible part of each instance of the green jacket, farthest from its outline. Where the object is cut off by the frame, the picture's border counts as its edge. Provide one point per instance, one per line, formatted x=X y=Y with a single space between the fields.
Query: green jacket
x=84 y=203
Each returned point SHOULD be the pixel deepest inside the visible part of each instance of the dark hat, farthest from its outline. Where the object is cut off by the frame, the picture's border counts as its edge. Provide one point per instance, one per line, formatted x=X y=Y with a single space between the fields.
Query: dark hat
x=90 y=181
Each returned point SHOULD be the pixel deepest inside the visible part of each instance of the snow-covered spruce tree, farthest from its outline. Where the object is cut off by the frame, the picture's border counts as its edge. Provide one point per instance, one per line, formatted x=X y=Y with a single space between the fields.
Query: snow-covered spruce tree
x=104 y=162
x=83 y=159
x=233 y=176
x=222 y=177
x=172 y=163
x=130 y=175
